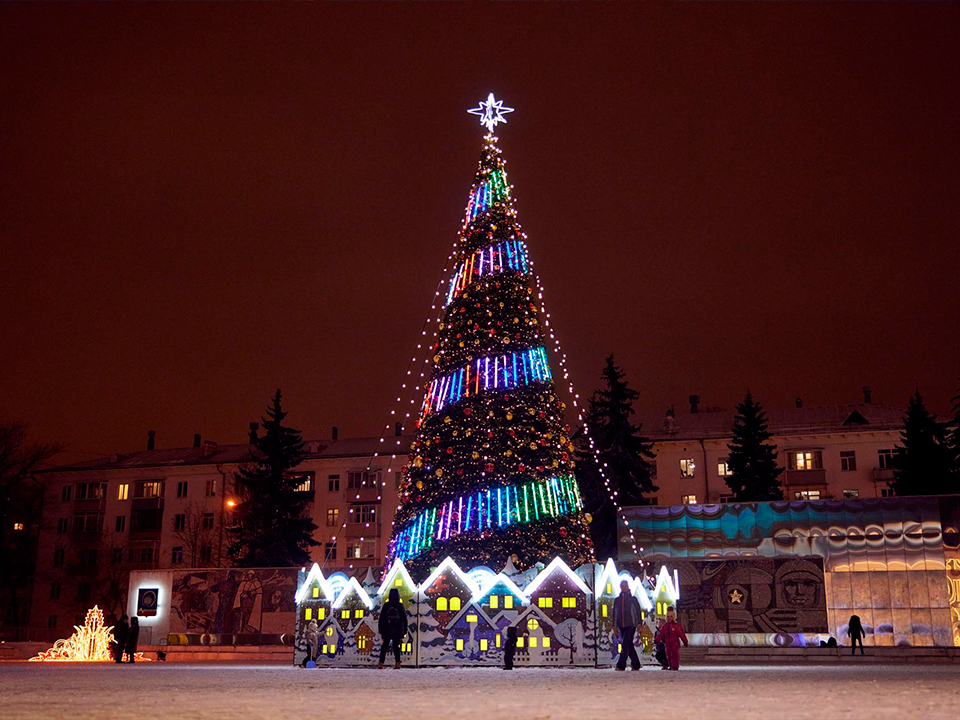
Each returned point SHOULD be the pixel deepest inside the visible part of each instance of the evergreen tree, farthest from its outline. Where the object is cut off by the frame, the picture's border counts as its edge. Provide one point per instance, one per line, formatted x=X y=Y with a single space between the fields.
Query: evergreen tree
x=754 y=475
x=271 y=528
x=922 y=465
x=623 y=450
x=490 y=472
x=954 y=441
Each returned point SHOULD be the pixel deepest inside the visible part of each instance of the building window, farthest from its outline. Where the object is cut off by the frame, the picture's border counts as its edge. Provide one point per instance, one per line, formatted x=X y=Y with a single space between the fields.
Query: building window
x=887 y=492
x=851 y=494
x=483 y=644
x=148 y=489
x=91 y=491
x=58 y=554
x=353 y=550
x=848 y=460
x=65 y=494
x=363 y=478
x=208 y=521
x=176 y=555
x=533 y=624
x=365 y=513
x=89 y=522
x=884 y=459
x=333 y=483
x=494 y=601
x=304 y=482
x=442 y=604
x=330 y=550
x=807 y=494
x=723 y=467
x=804 y=460
x=83 y=591
x=545 y=602
x=211 y=488
x=724 y=499
x=367 y=549
x=206 y=554
x=333 y=516
x=54 y=591
x=508 y=602
x=62 y=524
x=182 y=489
x=569 y=602
x=121 y=523
x=117 y=556
x=179 y=522
x=687 y=467
x=689 y=499
x=454 y=603
x=51 y=621
x=123 y=492
x=88 y=557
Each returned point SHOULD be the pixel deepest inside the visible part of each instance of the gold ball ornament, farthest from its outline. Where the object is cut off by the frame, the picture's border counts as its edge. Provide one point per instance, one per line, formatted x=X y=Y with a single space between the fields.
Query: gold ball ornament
x=509 y=416
x=588 y=517
x=419 y=484
x=439 y=472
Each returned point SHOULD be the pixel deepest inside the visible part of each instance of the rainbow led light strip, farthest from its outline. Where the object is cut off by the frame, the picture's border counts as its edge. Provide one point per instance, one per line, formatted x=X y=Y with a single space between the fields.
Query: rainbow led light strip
x=494 y=372
x=509 y=255
x=494 y=507
x=488 y=192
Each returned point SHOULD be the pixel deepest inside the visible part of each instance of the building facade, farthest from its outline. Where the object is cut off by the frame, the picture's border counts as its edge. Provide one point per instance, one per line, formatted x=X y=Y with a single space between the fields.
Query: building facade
x=827 y=452
x=170 y=509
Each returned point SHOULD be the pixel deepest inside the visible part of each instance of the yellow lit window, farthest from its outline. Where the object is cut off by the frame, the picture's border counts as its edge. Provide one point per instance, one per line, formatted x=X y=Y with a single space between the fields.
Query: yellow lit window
x=508 y=601
x=533 y=642
x=498 y=640
x=316 y=592
x=545 y=602
x=454 y=603
x=345 y=614
x=532 y=624
x=321 y=613
x=333 y=649
x=324 y=649
x=609 y=588
x=398 y=582
x=123 y=492
x=307 y=614
x=358 y=614
x=494 y=601
x=459 y=643
x=520 y=642
x=603 y=609
x=471 y=618
x=405 y=647
x=569 y=602
x=483 y=644
x=619 y=648
x=441 y=603
x=546 y=642
x=330 y=631
x=361 y=642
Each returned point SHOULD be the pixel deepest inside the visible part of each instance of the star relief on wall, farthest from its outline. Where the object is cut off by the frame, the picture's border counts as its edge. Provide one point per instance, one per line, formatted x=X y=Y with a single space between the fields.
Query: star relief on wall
x=736 y=597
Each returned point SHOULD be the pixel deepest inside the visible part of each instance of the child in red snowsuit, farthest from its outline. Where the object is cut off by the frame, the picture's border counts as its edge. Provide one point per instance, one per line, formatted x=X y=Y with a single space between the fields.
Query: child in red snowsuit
x=670 y=634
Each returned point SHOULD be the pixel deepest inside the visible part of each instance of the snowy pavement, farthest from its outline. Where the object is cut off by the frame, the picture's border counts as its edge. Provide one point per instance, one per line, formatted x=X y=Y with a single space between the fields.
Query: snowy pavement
x=236 y=692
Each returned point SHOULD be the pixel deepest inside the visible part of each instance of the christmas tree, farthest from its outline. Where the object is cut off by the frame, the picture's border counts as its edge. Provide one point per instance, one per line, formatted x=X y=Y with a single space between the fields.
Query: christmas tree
x=491 y=471
x=922 y=465
x=753 y=460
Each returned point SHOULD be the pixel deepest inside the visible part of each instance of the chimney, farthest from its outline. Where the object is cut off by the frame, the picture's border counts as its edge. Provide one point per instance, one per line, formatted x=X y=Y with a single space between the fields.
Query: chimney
x=799 y=402
x=867 y=394
x=694 y=404
x=209 y=448
x=196 y=439
x=252 y=436
x=151 y=439
x=335 y=433
x=398 y=428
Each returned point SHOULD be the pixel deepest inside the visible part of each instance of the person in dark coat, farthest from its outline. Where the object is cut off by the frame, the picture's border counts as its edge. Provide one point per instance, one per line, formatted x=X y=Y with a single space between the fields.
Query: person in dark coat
x=510 y=648
x=626 y=617
x=120 y=632
x=855 y=630
x=392 y=627
x=132 y=638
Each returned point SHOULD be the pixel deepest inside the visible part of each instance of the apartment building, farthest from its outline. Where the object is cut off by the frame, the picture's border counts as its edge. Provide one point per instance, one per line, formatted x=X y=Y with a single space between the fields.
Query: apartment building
x=828 y=451
x=168 y=508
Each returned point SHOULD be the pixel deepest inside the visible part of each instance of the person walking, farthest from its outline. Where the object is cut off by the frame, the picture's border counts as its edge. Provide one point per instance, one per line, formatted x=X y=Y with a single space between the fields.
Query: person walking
x=132 y=637
x=120 y=632
x=670 y=634
x=392 y=627
x=510 y=647
x=856 y=633
x=626 y=617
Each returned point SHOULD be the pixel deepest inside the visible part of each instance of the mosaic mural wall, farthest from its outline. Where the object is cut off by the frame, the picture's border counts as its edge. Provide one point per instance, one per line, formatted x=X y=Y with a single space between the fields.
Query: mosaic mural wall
x=895 y=562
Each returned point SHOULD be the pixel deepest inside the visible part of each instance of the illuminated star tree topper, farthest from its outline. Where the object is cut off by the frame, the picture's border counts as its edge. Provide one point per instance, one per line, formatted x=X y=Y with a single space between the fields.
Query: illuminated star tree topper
x=491 y=112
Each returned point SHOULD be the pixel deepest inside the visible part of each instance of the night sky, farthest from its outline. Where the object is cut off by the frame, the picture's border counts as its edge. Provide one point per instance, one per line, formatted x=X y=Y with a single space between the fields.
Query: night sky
x=200 y=203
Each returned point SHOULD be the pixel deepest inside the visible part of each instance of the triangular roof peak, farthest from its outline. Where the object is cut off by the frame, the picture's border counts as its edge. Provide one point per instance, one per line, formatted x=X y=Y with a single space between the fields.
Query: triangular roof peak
x=501 y=579
x=667 y=584
x=352 y=584
x=315 y=575
x=449 y=565
x=556 y=564
x=608 y=575
x=398 y=567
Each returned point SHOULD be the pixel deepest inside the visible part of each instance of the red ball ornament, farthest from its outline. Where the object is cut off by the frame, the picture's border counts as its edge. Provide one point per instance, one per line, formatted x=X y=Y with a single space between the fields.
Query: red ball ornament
x=489 y=433
x=449 y=451
x=521 y=467
x=466 y=411
x=563 y=532
x=459 y=471
x=539 y=468
x=489 y=467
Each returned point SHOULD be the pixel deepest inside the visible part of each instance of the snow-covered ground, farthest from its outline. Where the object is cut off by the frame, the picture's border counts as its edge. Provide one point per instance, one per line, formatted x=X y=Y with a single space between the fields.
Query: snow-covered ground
x=145 y=691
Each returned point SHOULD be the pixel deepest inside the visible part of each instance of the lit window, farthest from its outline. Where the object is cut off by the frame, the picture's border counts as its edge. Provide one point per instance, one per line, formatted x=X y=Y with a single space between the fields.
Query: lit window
x=546 y=642
x=454 y=603
x=851 y=494
x=333 y=649
x=689 y=499
x=459 y=643
x=808 y=494
x=441 y=603
x=569 y=602
x=483 y=644
x=804 y=460
x=848 y=460
x=687 y=467
x=723 y=467
x=609 y=588
x=604 y=610
x=333 y=516
x=398 y=582
x=316 y=592
x=321 y=613
x=358 y=614
x=619 y=648
x=498 y=639
x=361 y=642
x=330 y=631
x=345 y=614
x=307 y=614
x=533 y=642
x=18 y=526
x=532 y=624
x=494 y=599
x=545 y=602
x=123 y=492
x=323 y=649
x=471 y=618
x=519 y=642
x=508 y=601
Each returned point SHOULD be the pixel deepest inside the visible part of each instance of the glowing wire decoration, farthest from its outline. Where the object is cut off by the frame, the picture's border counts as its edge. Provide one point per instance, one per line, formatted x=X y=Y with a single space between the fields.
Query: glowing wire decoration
x=491 y=112
x=93 y=642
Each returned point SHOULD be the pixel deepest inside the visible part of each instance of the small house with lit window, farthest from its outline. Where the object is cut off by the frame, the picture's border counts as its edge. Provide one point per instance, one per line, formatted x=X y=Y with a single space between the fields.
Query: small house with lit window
x=536 y=643
x=473 y=637
x=330 y=645
x=560 y=593
x=313 y=600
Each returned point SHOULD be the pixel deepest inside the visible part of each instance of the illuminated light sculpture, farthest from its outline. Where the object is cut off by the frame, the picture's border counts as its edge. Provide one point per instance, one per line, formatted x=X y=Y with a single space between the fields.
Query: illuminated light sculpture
x=92 y=642
x=491 y=112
